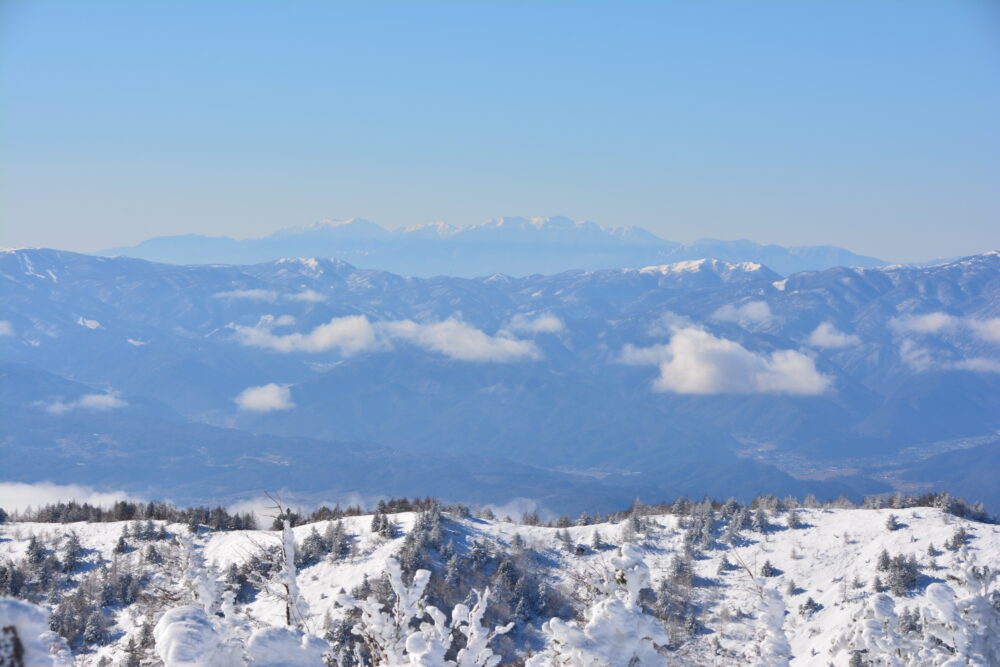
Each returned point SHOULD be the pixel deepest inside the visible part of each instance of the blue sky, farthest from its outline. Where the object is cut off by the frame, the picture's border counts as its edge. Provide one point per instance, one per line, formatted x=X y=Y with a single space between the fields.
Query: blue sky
x=871 y=125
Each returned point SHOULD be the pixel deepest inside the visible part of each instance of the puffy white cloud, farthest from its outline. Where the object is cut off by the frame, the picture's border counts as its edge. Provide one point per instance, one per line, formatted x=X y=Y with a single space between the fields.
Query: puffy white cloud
x=6 y=329
x=458 y=340
x=521 y=323
x=97 y=402
x=137 y=343
x=16 y=496
x=751 y=311
x=248 y=294
x=827 y=336
x=349 y=335
x=696 y=362
x=266 y=398
x=90 y=324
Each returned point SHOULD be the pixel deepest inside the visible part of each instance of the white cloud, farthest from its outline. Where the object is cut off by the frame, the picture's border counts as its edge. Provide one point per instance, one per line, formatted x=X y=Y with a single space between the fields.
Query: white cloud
x=696 y=362
x=249 y=294
x=938 y=323
x=922 y=359
x=311 y=296
x=521 y=323
x=666 y=323
x=916 y=357
x=751 y=311
x=354 y=334
x=977 y=365
x=988 y=330
x=16 y=496
x=6 y=329
x=349 y=335
x=270 y=296
x=98 y=402
x=654 y=355
x=931 y=323
x=458 y=340
x=90 y=324
x=827 y=336
x=137 y=343
x=266 y=398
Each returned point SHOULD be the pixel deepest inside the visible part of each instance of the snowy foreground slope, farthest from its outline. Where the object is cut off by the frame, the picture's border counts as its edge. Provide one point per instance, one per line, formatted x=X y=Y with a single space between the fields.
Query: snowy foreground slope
x=690 y=587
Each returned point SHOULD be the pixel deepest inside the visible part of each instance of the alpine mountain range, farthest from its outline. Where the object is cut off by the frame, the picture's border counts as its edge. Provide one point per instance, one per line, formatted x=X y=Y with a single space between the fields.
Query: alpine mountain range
x=620 y=366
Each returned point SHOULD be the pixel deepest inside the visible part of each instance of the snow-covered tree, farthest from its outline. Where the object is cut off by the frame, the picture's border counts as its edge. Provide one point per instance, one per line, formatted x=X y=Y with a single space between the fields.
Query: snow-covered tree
x=614 y=630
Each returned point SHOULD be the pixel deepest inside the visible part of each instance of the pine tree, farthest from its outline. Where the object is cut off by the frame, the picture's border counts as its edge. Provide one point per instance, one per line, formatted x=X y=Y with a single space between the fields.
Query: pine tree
x=72 y=550
x=121 y=546
x=36 y=552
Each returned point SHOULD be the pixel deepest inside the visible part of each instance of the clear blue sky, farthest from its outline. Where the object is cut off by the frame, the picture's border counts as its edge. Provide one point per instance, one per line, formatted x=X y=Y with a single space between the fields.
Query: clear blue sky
x=872 y=125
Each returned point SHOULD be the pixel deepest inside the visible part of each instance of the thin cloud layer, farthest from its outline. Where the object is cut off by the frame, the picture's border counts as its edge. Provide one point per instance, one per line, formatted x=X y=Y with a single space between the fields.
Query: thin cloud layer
x=829 y=337
x=271 y=296
x=921 y=359
x=938 y=323
x=696 y=362
x=96 y=402
x=265 y=398
x=6 y=329
x=751 y=311
x=521 y=323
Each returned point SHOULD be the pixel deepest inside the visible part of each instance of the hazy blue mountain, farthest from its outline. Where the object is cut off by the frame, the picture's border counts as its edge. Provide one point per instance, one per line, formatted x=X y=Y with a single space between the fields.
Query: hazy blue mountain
x=514 y=246
x=547 y=386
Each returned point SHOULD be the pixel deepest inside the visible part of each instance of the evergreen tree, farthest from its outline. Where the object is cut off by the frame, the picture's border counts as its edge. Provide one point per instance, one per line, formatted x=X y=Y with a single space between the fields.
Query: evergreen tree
x=72 y=551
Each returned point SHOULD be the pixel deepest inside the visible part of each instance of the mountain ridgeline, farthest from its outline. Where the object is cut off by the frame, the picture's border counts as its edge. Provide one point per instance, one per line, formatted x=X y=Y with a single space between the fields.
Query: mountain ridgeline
x=512 y=245
x=583 y=388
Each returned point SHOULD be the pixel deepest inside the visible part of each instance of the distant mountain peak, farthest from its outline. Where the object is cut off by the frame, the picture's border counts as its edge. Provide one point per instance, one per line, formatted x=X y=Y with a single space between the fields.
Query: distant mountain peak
x=350 y=228
x=705 y=264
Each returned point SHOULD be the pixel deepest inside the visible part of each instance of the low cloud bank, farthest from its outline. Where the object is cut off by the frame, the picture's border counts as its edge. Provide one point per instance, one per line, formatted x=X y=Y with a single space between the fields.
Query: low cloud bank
x=17 y=496
x=696 y=362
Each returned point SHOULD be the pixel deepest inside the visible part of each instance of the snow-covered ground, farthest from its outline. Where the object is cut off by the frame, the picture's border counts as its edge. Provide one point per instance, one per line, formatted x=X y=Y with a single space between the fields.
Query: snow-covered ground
x=832 y=559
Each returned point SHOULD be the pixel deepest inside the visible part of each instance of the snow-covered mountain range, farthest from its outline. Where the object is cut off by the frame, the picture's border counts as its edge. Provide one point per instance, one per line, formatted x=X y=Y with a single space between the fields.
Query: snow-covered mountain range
x=691 y=584
x=511 y=245
x=207 y=382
